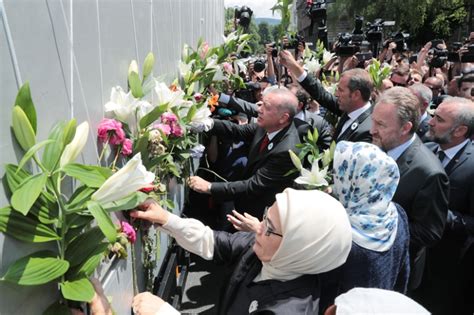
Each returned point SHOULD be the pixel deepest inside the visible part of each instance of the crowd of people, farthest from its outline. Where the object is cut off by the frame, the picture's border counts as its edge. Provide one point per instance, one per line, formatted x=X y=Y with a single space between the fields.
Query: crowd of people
x=398 y=219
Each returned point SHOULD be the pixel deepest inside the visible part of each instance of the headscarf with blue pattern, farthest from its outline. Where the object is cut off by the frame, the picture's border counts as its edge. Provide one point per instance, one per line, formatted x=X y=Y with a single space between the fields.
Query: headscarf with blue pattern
x=365 y=180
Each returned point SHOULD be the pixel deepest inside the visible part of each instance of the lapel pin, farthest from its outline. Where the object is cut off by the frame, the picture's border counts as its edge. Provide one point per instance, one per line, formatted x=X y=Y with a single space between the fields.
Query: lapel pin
x=354 y=126
x=253 y=306
x=270 y=146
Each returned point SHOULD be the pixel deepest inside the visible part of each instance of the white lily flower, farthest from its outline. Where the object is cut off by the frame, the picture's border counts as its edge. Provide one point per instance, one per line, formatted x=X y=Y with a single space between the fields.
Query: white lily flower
x=129 y=179
x=201 y=120
x=184 y=108
x=185 y=68
x=312 y=65
x=295 y=160
x=212 y=64
x=239 y=66
x=314 y=178
x=162 y=95
x=74 y=148
x=230 y=37
x=219 y=76
x=327 y=55
x=126 y=108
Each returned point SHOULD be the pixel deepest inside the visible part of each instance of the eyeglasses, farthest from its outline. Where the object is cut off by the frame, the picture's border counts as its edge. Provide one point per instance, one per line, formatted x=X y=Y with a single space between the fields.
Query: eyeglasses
x=268 y=228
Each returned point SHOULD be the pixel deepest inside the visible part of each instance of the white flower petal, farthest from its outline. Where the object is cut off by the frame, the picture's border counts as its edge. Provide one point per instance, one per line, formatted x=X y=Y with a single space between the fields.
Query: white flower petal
x=74 y=148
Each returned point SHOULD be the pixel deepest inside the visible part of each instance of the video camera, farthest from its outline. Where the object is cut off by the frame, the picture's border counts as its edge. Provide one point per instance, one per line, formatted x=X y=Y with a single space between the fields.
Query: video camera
x=374 y=30
x=316 y=10
x=469 y=55
x=440 y=55
x=289 y=42
x=400 y=39
x=243 y=15
x=248 y=94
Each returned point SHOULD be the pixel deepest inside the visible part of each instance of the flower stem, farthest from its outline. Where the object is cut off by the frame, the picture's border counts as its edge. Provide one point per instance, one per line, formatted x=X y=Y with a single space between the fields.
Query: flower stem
x=134 y=270
x=104 y=145
x=115 y=159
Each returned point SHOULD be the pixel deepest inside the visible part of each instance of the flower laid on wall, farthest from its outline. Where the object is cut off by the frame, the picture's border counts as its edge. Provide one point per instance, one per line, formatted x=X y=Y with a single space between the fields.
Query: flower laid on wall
x=41 y=212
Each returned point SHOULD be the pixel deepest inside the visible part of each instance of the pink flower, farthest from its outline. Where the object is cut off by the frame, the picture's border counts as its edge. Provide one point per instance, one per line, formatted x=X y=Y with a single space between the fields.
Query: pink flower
x=166 y=129
x=228 y=67
x=129 y=231
x=176 y=130
x=198 y=97
x=203 y=50
x=168 y=118
x=111 y=130
x=127 y=147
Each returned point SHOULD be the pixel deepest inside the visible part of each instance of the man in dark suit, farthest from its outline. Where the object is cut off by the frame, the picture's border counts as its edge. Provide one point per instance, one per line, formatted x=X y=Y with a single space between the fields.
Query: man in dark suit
x=423 y=187
x=448 y=284
x=351 y=102
x=312 y=120
x=424 y=95
x=268 y=161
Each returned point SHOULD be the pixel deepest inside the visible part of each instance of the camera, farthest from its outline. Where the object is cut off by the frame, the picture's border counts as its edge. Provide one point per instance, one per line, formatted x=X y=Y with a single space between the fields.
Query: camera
x=346 y=45
x=374 y=30
x=248 y=94
x=316 y=10
x=400 y=39
x=289 y=42
x=244 y=14
x=259 y=65
x=453 y=53
x=440 y=55
x=469 y=55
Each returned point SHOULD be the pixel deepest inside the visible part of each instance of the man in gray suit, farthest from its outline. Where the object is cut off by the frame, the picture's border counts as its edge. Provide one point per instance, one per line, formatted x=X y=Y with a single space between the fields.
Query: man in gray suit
x=423 y=187
x=448 y=285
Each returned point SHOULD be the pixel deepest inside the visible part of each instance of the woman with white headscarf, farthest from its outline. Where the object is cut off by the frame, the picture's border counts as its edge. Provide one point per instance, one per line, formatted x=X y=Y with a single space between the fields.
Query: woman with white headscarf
x=365 y=180
x=303 y=234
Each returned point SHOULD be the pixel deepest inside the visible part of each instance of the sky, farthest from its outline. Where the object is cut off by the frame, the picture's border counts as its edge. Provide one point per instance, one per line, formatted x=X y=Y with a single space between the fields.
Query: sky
x=260 y=8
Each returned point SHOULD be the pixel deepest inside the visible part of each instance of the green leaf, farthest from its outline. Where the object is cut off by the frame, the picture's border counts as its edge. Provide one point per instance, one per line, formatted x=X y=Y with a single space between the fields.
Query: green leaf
x=191 y=113
x=295 y=160
x=148 y=65
x=24 y=228
x=309 y=136
x=52 y=152
x=91 y=262
x=46 y=214
x=152 y=116
x=23 y=100
x=78 y=290
x=32 y=151
x=91 y=176
x=103 y=220
x=24 y=132
x=30 y=189
x=82 y=246
x=15 y=176
x=79 y=198
x=126 y=203
x=76 y=220
x=291 y=172
x=315 y=135
x=135 y=84
x=37 y=268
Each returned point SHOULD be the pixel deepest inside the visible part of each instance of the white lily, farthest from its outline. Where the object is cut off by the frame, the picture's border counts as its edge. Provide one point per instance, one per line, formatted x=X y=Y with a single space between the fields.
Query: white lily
x=295 y=160
x=230 y=37
x=74 y=148
x=312 y=65
x=201 y=120
x=219 y=76
x=212 y=64
x=327 y=55
x=314 y=178
x=163 y=95
x=129 y=179
x=185 y=68
x=126 y=108
x=133 y=67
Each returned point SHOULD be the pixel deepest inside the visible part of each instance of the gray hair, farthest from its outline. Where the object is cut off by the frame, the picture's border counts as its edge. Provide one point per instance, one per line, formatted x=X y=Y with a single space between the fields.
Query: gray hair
x=464 y=114
x=406 y=103
x=287 y=101
x=424 y=93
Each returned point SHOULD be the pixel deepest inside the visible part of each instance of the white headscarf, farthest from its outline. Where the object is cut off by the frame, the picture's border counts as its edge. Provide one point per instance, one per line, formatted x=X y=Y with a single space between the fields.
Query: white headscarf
x=367 y=301
x=365 y=180
x=316 y=235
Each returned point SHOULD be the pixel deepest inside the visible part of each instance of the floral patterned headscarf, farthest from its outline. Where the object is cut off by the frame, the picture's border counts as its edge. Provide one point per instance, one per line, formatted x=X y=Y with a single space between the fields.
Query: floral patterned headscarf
x=365 y=180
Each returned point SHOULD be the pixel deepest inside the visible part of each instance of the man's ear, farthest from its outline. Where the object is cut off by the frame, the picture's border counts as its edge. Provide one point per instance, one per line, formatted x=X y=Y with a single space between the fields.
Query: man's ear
x=331 y=310
x=460 y=131
x=284 y=118
x=406 y=128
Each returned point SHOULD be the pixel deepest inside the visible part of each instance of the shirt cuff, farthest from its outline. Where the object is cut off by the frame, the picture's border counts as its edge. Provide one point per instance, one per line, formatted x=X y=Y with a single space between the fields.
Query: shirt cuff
x=224 y=98
x=302 y=76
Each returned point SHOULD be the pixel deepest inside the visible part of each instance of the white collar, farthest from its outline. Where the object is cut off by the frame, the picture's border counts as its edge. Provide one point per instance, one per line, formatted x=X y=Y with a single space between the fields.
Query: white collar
x=356 y=113
x=451 y=152
x=397 y=151
x=300 y=115
x=423 y=116
x=271 y=135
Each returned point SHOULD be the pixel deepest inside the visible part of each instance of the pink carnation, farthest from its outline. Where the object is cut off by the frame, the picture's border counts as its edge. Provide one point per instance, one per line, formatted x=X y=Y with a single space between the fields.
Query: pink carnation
x=129 y=231
x=110 y=130
x=176 y=130
x=127 y=147
x=228 y=67
x=166 y=129
x=168 y=118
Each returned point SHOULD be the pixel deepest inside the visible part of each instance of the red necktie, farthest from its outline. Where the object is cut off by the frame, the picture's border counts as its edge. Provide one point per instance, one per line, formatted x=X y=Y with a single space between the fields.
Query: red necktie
x=264 y=143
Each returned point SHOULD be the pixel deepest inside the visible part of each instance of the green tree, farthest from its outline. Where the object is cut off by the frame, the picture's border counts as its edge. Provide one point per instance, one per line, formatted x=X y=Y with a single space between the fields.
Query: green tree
x=423 y=19
x=264 y=32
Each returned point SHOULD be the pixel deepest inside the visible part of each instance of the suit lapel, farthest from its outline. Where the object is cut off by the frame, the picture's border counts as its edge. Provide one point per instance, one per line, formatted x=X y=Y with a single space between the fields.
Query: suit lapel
x=407 y=157
x=255 y=146
x=459 y=158
x=353 y=127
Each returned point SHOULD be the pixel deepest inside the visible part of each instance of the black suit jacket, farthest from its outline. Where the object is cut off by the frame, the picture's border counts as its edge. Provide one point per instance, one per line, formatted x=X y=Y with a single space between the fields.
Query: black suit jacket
x=423 y=192
x=423 y=129
x=313 y=120
x=359 y=130
x=264 y=175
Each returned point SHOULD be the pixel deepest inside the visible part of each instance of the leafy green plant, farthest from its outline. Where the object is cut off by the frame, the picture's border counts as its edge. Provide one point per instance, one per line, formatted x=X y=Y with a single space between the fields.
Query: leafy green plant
x=378 y=73
x=40 y=212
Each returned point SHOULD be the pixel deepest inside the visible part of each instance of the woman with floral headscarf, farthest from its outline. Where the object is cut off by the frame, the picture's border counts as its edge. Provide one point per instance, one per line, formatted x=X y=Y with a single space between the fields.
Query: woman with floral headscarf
x=276 y=268
x=365 y=180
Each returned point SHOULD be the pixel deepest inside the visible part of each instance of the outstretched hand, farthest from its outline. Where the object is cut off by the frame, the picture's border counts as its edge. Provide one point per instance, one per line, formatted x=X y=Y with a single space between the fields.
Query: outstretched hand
x=151 y=211
x=246 y=222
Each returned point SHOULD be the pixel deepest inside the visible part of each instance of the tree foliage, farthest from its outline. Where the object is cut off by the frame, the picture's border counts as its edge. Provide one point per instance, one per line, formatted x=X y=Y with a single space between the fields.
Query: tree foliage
x=423 y=19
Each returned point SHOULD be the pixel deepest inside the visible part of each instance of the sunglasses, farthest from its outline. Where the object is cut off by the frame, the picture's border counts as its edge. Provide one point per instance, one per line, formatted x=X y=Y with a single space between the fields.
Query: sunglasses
x=268 y=229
